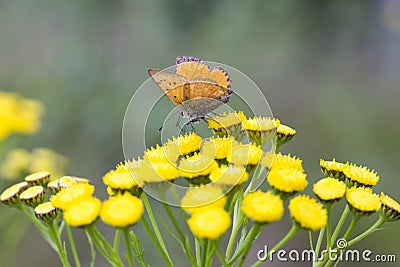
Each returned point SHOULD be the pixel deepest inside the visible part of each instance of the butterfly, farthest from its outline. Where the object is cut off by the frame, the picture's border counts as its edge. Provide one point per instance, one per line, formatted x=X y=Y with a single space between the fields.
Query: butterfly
x=194 y=87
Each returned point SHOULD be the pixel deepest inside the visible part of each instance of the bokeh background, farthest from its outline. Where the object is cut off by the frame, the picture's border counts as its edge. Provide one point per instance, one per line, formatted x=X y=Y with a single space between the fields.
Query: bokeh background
x=329 y=69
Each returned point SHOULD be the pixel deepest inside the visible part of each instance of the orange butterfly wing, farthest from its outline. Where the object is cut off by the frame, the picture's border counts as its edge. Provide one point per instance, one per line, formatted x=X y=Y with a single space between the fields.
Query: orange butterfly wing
x=171 y=84
x=206 y=88
x=192 y=69
x=221 y=76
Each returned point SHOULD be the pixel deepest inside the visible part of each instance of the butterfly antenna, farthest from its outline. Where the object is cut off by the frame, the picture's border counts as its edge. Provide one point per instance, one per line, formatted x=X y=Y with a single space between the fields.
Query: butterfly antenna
x=168 y=119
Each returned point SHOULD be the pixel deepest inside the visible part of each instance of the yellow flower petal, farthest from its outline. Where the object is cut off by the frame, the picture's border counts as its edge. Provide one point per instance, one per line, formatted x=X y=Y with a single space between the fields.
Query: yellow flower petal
x=83 y=212
x=307 y=212
x=69 y=195
x=361 y=176
x=209 y=223
x=390 y=208
x=263 y=207
x=203 y=197
x=121 y=210
x=329 y=189
x=287 y=180
x=362 y=200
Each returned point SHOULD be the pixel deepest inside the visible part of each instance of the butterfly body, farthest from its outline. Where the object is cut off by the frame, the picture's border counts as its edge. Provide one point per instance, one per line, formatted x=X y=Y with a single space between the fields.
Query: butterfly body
x=195 y=88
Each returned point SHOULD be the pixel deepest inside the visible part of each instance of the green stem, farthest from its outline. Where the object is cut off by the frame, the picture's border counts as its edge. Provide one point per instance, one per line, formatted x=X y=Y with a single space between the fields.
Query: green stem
x=102 y=239
x=353 y=224
x=61 y=251
x=73 y=247
x=210 y=253
x=310 y=239
x=154 y=225
x=97 y=239
x=237 y=222
x=319 y=242
x=128 y=247
x=254 y=178
x=292 y=232
x=204 y=253
x=220 y=255
x=155 y=242
x=369 y=231
x=197 y=250
x=245 y=246
x=253 y=233
x=339 y=225
x=186 y=248
x=92 y=249
x=328 y=225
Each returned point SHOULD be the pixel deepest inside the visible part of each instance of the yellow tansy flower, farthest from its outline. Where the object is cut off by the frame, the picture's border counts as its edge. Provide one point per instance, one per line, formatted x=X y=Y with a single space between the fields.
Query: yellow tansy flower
x=69 y=195
x=188 y=143
x=279 y=161
x=45 y=211
x=53 y=186
x=168 y=152
x=333 y=169
x=161 y=171
x=227 y=124
x=122 y=178
x=11 y=194
x=263 y=207
x=245 y=155
x=329 y=189
x=390 y=208
x=121 y=210
x=307 y=212
x=203 y=197
x=209 y=223
x=361 y=176
x=260 y=129
x=287 y=180
x=33 y=196
x=197 y=168
x=83 y=212
x=284 y=134
x=362 y=201
x=219 y=147
x=38 y=178
x=229 y=176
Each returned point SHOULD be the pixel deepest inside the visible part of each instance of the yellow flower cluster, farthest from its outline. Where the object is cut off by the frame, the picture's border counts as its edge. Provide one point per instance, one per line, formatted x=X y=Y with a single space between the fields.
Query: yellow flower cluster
x=351 y=173
x=18 y=115
x=286 y=175
x=354 y=182
x=19 y=161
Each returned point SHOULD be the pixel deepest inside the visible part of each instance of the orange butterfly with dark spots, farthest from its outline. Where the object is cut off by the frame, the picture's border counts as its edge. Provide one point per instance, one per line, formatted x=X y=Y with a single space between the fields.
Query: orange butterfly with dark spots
x=194 y=87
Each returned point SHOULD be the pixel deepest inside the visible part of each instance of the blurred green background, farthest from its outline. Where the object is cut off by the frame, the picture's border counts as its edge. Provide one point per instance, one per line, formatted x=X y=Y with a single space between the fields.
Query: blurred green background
x=329 y=69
